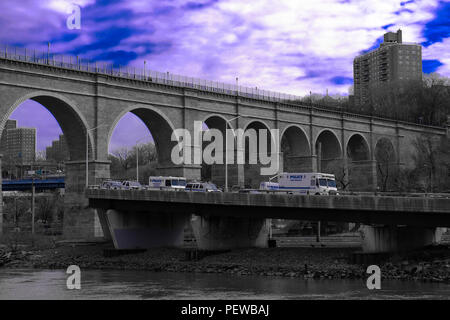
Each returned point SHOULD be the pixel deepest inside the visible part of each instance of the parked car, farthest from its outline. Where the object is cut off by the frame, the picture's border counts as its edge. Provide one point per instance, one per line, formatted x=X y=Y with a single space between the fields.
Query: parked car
x=201 y=187
x=110 y=184
x=131 y=185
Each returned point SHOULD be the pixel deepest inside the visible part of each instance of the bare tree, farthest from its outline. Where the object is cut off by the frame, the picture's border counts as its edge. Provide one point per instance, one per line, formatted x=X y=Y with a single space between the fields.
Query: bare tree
x=337 y=167
x=41 y=155
x=123 y=161
x=15 y=210
x=11 y=165
x=45 y=208
x=434 y=98
x=426 y=101
x=432 y=162
x=124 y=157
x=384 y=154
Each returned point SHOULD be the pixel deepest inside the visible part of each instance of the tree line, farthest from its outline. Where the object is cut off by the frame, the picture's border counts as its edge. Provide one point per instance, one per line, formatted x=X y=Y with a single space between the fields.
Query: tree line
x=424 y=102
x=124 y=162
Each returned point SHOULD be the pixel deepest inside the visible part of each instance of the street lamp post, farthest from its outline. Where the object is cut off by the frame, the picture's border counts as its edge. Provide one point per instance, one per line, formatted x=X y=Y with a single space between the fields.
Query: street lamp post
x=87 y=152
x=137 y=162
x=48 y=53
x=33 y=209
x=226 y=149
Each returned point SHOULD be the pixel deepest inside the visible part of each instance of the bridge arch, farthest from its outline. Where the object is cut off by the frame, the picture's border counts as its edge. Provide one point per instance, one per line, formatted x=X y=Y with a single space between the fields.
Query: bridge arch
x=331 y=146
x=158 y=124
x=357 y=148
x=260 y=125
x=66 y=112
x=215 y=172
x=252 y=172
x=359 y=164
x=217 y=121
x=295 y=147
x=330 y=153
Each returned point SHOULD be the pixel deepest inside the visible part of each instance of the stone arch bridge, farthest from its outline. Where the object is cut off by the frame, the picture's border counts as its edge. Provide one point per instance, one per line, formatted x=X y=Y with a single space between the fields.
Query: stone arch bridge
x=84 y=96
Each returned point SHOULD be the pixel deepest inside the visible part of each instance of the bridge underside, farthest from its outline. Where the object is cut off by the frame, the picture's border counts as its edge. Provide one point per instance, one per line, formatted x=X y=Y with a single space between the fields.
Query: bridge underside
x=231 y=220
x=386 y=217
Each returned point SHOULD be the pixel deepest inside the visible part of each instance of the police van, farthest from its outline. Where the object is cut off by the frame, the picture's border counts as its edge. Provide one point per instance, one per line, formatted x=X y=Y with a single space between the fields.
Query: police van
x=269 y=186
x=202 y=187
x=168 y=183
x=312 y=183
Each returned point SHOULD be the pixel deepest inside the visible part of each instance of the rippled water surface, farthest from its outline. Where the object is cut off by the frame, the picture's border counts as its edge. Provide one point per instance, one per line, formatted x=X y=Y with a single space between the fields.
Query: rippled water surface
x=110 y=284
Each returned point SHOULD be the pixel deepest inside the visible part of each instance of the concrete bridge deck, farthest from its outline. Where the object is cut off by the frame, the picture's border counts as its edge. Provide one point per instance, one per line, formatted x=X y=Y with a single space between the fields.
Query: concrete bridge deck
x=410 y=211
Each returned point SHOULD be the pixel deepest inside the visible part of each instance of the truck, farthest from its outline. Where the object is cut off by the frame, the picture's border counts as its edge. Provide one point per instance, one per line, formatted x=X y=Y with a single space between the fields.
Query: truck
x=311 y=183
x=269 y=186
x=169 y=183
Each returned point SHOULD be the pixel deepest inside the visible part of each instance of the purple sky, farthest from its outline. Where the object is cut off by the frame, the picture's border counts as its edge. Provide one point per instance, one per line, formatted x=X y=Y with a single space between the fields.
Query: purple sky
x=47 y=128
x=288 y=46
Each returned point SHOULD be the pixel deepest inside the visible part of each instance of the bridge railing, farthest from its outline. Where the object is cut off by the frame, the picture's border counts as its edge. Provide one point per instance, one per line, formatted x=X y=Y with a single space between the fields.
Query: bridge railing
x=396 y=194
x=77 y=63
x=341 y=193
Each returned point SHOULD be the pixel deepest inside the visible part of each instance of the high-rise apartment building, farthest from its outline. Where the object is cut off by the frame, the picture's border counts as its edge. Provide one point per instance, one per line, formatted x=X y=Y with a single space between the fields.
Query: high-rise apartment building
x=10 y=124
x=21 y=146
x=58 y=151
x=393 y=61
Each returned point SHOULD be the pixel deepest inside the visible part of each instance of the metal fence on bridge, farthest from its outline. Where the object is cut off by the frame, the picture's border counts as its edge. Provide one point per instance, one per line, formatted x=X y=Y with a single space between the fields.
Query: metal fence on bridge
x=80 y=64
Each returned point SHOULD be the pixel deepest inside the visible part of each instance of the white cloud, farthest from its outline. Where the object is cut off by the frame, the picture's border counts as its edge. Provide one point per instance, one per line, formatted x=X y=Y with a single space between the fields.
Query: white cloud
x=270 y=45
x=62 y=6
x=439 y=51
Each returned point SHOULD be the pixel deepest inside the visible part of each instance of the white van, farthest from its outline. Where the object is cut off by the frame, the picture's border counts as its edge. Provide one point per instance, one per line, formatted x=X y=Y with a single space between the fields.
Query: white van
x=270 y=186
x=131 y=185
x=313 y=183
x=171 y=183
x=201 y=187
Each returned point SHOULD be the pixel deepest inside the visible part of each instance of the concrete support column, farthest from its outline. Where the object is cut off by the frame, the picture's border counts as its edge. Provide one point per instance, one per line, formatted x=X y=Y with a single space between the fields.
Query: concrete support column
x=79 y=220
x=346 y=172
x=224 y=233
x=75 y=179
x=280 y=162
x=241 y=175
x=101 y=213
x=143 y=230
x=314 y=163
x=345 y=164
x=240 y=167
x=319 y=157
x=397 y=238
x=374 y=175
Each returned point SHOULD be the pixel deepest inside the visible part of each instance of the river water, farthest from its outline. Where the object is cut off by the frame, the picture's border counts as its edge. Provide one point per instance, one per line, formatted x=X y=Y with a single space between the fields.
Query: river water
x=111 y=284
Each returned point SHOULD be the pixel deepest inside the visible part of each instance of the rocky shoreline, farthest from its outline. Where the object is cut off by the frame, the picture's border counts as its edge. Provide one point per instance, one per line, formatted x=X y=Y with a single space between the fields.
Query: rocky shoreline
x=432 y=264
